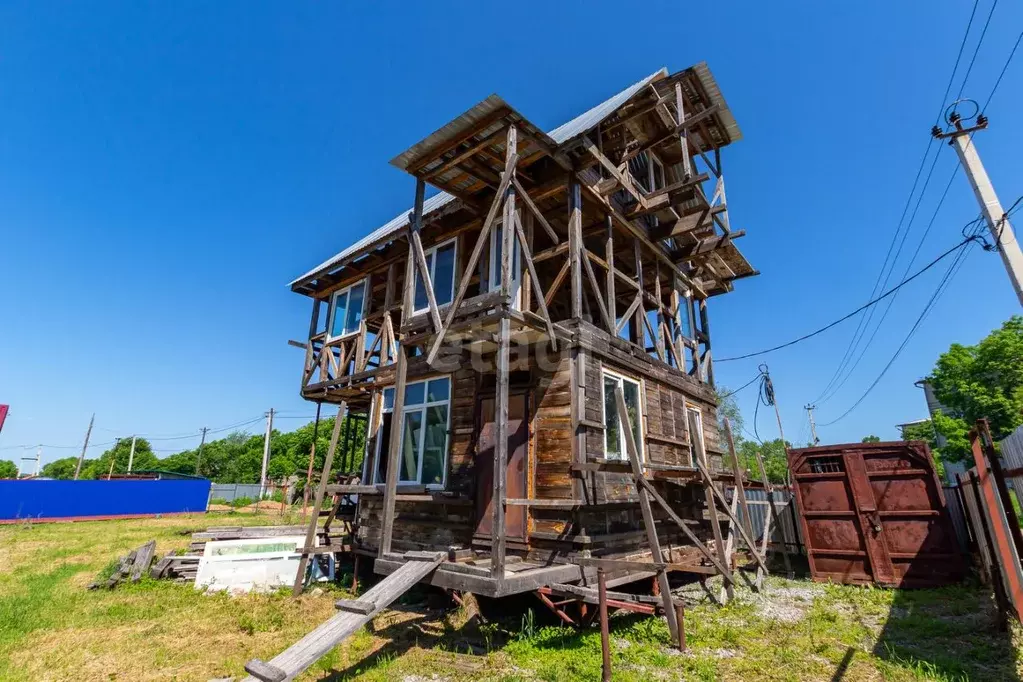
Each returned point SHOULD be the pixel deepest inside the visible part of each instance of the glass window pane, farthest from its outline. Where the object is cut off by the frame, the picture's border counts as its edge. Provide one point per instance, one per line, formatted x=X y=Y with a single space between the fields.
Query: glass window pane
x=435 y=445
x=444 y=274
x=415 y=393
x=438 y=389
x=354 y=317
x=389 y=398
x=612 y=431
x=383 y=446
x=337 y=320
x=411 y=434
x=631 y=391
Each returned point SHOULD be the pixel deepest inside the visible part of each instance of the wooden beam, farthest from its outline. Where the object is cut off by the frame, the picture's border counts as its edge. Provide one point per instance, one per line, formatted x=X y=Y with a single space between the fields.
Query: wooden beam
x=608 y=322
x=644 y=504
x=536 y=211
x=527 y=258
x=609 y=276
x=556 y=284
x=481 y=241
x=321 y=489
x=575 y=240
x=622 y=179
x=393 y=450
x=699 y=457
x=689 y=123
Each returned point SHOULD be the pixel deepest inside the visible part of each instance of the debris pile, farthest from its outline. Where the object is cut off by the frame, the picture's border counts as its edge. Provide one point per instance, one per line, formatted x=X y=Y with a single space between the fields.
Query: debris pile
x=131 y=566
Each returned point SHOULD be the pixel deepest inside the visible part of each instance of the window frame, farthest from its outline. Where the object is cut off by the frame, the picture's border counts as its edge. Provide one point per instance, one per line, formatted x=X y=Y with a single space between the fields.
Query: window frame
x=640 y=443
x=346 y=291
x=422 y=408
x=690 y=407
x=432 y=266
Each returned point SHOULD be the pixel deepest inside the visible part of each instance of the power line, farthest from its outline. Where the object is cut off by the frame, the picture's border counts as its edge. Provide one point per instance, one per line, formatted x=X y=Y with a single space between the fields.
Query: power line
x=1005 y=67
x=883 y=296
x=939 y=290
x=976 y=50
x=748 y=383
x=864 y=322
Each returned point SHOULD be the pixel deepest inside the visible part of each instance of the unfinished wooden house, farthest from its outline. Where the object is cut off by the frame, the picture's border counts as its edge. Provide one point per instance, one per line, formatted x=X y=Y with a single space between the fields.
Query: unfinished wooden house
x=489 y=333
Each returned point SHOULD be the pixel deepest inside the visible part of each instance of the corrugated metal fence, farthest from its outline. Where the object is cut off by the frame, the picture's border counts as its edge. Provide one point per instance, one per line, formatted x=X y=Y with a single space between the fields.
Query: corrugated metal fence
x=784 y=530
x=232 y=491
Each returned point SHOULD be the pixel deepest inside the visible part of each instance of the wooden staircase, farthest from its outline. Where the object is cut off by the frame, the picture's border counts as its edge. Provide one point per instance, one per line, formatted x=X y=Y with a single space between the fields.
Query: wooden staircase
x=352 y=615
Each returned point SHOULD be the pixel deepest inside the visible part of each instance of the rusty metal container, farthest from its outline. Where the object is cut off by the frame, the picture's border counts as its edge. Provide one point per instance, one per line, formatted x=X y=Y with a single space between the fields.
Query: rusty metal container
x=875 y=513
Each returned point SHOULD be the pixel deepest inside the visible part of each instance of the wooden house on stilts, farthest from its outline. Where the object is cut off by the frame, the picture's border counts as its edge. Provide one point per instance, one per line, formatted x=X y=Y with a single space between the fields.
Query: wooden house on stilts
x=531 y=347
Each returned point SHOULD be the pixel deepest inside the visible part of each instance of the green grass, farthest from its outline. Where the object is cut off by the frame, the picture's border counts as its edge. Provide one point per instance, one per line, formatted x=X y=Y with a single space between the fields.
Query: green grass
x=51 y=627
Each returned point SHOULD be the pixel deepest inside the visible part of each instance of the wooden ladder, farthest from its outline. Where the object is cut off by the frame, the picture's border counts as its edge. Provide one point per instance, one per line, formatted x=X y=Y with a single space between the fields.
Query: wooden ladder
x=352 y=615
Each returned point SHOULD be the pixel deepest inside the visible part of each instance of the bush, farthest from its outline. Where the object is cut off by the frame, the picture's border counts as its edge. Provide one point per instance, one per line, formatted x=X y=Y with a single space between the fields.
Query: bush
x=241 y=502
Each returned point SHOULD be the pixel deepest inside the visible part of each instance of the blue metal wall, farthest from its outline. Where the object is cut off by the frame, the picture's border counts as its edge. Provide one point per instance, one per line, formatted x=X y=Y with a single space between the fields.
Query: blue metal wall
x=77 y=499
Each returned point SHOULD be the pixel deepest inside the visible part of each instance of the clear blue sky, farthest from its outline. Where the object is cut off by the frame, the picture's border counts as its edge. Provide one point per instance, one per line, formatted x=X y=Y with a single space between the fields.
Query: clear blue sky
x=167 y=168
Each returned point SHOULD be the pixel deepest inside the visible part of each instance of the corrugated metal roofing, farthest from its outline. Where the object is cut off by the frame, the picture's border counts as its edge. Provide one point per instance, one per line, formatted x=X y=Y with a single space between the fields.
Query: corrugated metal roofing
x=561 y=134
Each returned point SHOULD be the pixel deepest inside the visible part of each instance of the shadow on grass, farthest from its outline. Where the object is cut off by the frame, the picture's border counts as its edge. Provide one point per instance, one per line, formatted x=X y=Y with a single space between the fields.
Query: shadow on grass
x=948 y=634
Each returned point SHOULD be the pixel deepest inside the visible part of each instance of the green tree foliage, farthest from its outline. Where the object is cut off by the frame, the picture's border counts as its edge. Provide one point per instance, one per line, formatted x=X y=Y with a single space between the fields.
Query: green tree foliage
x=236 y=458
x=728 y=408
x=61 y=468
x=871 y=439
x=983 y=380
x=773 y=453
x=8 y=469
x=925 y=431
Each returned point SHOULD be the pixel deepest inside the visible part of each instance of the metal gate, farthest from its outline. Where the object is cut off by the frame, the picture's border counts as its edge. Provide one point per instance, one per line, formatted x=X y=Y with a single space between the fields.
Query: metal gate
x=875 y=513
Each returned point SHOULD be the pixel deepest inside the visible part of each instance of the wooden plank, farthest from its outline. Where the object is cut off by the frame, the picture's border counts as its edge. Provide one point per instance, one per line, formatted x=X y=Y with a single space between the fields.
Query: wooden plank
x=740 y=491
x=424 y=273
x=143 y=558
x=644 y=505
x=298 y=657
x=622 y=179
x=321 y=489
x=720 y=497
x=698 y=458
x=608 y=322
x=355 y=606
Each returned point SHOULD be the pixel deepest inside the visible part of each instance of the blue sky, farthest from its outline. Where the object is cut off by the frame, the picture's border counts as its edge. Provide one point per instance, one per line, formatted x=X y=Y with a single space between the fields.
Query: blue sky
x=167 y=168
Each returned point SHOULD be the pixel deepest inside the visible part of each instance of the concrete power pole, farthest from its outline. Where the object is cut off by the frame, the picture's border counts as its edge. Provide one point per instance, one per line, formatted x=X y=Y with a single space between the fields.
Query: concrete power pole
x=131 y=453
x=813 y=427
x=78 y=467
x=198 y=457
x=266 y=452
x=997 y=221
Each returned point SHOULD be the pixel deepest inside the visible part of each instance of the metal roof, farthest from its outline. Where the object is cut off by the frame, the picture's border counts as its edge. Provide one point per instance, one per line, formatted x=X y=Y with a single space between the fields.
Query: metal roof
x=559 y=135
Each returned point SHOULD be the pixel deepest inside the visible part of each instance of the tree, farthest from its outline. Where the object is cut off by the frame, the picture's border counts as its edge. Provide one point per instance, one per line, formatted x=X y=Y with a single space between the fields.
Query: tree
x=871 y=439
x=8 y=469
x=773 y=453
x=980 y=381
x=925 y=431
x=121 y=452
x=61 y=468
x=728 y=407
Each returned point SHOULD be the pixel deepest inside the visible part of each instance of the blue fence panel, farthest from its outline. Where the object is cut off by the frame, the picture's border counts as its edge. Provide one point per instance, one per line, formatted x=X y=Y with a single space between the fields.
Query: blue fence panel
x=71 y=499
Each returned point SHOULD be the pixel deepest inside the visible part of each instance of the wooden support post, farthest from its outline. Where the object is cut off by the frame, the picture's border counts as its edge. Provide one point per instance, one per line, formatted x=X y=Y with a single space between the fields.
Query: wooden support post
x=773 y=514
x=575 y=243
x=393 y=450
x=321 y=489
x=497 y=546
x=648 y=515
x=659 y=338
x=637 y=331
x=605 y=634
x=529 y=284
x=708 y=362
x=699 y=457
x=737 y=477
x=312 y=457
x=680 y=113
x=416 y=247
x=609 y=281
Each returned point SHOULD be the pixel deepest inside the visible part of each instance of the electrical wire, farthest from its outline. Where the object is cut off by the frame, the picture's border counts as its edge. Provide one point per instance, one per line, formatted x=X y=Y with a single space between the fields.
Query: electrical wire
x=864 y=322
x=946 y=279
x=976 y=50
x=998 y=82
x=863 y=307
x=748 y=383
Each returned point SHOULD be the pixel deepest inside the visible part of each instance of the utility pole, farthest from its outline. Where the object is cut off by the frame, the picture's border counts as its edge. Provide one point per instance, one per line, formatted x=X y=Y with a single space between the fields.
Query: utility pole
x=198 y=457
x=997 y=221
x=113 y=458
x=813 y=427
x=266 y=451
x=39 y=459
x=131 y=454
x=78 y=467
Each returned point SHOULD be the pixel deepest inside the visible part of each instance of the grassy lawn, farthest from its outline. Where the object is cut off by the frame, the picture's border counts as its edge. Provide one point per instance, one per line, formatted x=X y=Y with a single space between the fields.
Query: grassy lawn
x=52 y=628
